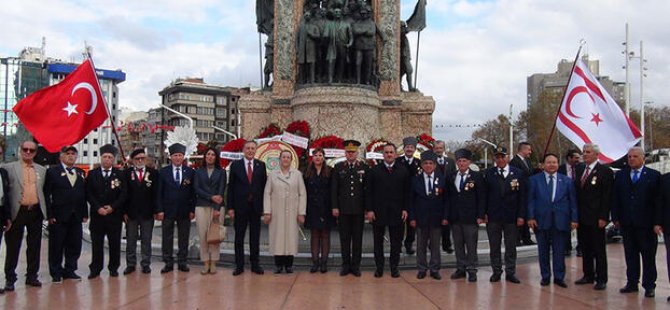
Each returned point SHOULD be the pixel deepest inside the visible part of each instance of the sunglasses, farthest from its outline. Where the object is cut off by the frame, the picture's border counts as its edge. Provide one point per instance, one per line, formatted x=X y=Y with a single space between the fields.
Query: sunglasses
x=28 y=150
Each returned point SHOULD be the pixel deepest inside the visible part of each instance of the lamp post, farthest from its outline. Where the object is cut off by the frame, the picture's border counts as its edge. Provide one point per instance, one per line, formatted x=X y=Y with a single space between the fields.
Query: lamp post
x=486 y=150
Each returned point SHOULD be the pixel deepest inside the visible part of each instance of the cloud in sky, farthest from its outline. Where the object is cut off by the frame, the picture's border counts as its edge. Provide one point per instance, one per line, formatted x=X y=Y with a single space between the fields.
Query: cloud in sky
x=475 y=55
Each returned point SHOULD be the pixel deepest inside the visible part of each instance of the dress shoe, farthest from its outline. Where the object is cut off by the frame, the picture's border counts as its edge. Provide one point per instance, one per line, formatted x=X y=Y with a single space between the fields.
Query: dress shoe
x=512 y=278
x=449 y=251
x=257 y=269
x=649 y=293
x=128 y=270
x=560 y=283
x=528 y=242
x=2 y=290
x=584 y=280
x=544 y=282
x=289 y=269
x=277 y=269
x=183 y=268
x=600 y=286
x=314 y=268
x=579 y=253
x=344 y=271
x=71 y=276
x=435 y=275
x=9 y=287
x=212 y=268
x=379 y=273
x=472 y=277
x=420 y=275
x=34 y=282
x=395 y=273
x=495 y=277
x=668 y=300
x=167 y=268
x=57 y=280
x=409 y=251
x=567 y=253
x=629 y=289
x=113 y=273
x=238 y=271
x=146 y=269
x=93 y=275
x=458 y=274
x=324 y=267
x=356 y=272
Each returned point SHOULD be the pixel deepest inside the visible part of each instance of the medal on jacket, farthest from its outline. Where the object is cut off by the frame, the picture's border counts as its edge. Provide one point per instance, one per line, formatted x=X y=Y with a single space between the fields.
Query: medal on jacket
x=438 y=190
x=514 y=184
x=593 y=180
x=115 y=183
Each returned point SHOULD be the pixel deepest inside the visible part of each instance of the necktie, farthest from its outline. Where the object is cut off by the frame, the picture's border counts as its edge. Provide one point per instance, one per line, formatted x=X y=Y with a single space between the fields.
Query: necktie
x=502 y=173
x=106 y=174
x=462 y=181
x=573 y=175
x=177 y=176
x=390 y=169
x=140 y=174
x=249 y=171
x=440 y=160
x=551 y=187
x=636 y=175
x=586 y=175
x=69 y=170
x=430 y=185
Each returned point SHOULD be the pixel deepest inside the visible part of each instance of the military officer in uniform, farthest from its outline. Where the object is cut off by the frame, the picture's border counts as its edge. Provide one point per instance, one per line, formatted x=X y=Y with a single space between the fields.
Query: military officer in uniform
x=412 y=166
x=348 y=203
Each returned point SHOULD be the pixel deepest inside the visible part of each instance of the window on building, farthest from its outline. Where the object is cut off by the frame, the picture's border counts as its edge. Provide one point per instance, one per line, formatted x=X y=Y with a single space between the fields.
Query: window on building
x=85 y=153
x=85 y=141
x=95 y=153
x=95 y=141
x=232 y=122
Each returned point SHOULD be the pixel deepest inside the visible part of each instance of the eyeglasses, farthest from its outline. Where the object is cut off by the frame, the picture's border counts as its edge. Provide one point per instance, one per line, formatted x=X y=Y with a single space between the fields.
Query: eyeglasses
x=28 y=150
x=139 y=158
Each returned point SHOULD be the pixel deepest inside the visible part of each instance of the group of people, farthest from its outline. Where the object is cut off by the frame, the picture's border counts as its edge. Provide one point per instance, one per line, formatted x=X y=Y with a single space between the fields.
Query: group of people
x=408 y=197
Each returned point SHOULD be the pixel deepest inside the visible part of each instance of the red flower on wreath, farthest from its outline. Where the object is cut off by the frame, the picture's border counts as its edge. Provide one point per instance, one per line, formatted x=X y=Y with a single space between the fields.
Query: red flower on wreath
x=426 y=140
x=376 y=145
x=234 y=146
x=327 y=142
x=269 y=131
x=298 y=128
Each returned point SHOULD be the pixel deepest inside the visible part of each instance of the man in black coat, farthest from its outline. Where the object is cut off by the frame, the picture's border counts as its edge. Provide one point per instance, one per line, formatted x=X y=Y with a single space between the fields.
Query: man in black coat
x=569 y=167
x=414 y=168
x=175 y=206
x=593 y=183
x=522 y=161
x=635 y=210
x=663 y=220
x=5 y=213
x=506 y=197
x=445 y=166
x=139 y=210
x=106 y=194
x=466 y=192
x=246 y=186
x=65 y=194
x=348 y=202
x=388 y=199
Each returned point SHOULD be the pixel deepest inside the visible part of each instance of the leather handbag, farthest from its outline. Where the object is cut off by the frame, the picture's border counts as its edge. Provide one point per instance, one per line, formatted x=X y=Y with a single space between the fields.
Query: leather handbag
x=216 y=233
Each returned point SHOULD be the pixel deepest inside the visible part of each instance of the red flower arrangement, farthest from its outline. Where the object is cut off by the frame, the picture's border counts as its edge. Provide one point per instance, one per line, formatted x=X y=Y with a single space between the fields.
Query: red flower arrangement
x=328 y=142
x=298 y=128
x=376 y=145
x=426 y=140
x=270 y=131
x=232 y=146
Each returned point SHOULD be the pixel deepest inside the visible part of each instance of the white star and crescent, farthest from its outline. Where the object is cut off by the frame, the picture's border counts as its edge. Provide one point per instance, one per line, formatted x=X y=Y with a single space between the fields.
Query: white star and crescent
x=72 y=108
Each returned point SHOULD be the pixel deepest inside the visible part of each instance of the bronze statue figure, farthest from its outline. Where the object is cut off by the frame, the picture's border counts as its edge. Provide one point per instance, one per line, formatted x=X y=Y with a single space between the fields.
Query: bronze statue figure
x=405 y=58
x=364 y=30
x=306 y=44
x=340 y=38
x=269 y=60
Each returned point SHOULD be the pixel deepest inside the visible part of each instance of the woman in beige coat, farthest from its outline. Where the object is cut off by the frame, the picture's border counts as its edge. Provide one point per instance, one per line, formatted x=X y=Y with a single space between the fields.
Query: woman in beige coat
x=284 y=208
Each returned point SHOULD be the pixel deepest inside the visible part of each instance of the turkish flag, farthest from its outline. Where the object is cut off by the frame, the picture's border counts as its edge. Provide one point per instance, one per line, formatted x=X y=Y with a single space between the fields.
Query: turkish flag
x=588 y=114
x=64 y=113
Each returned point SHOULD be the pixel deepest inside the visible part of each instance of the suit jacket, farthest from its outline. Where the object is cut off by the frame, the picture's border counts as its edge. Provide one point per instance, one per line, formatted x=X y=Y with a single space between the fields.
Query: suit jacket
x=388 y=194
x=319 y=212
x=207 y=186
x=558 y=214
x=506 y=198
x=141 y=195
x=5 y=209
x=428 y=210
x=176 y=200
x=63 y=199
x=636 y=205
x=593 y=199
x=525 y=164
x=664 y=201
x=15 y=176
x=413 y=169
x=447 y=168
x=468 y=205
x=110 y=191
x=347 y=187
x=563 y=168
x=241 y=193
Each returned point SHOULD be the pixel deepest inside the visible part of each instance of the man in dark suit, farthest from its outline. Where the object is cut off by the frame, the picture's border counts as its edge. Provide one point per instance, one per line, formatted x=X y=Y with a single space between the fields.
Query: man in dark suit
x=506 y=196
x=176 y=206
x=569 y=167
x=139 y=211
x=522 y=161
x=445 y=166
x=388 y=199
x=348 y=194
x=635 y=209
x=412 y=165
x=593 y=182
x=466 y=192
x=552 y=213
x=246 y=186
x=662 y=225
x=428 y=212
x=106 y=194
x=5 y=214
x=65 y=194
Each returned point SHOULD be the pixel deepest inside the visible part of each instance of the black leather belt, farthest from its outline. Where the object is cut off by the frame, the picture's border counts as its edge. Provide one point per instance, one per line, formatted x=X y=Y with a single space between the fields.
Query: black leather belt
x=29 y=207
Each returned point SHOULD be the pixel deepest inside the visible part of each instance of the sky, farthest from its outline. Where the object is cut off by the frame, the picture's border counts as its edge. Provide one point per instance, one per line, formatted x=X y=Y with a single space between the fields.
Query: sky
x=474 y=56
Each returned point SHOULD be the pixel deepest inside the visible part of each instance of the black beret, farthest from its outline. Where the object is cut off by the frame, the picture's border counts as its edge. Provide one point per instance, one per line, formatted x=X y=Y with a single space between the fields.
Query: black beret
x=177 y=148
x=136 y=152
x=500 y=150
x=108 y=148
x=429 y=155
x=410 y=141
x=463 y=153
x=68 y=148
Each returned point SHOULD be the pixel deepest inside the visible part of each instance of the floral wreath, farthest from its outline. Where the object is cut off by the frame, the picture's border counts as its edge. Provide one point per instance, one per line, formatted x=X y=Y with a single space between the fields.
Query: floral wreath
x=425 y=141
x=376 y=145
x=299 y=128
x=269 y=131
x=327 y=142
x=234 y=146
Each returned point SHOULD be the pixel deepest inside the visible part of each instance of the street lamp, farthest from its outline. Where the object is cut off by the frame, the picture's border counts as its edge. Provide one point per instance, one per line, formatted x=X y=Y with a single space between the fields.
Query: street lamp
x=486 y=150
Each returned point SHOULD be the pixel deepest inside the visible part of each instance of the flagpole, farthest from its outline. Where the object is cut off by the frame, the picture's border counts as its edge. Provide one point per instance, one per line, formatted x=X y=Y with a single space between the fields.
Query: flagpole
x=565 y=90
x=416 y=66
x=109 y=114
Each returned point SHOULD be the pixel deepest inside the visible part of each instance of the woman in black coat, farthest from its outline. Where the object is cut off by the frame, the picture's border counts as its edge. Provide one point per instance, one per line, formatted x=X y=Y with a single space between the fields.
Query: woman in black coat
x=319 y=215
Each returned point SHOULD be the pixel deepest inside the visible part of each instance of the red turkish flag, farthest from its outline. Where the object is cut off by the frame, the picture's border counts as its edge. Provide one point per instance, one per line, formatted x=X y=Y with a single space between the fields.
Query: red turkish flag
x=64 y=113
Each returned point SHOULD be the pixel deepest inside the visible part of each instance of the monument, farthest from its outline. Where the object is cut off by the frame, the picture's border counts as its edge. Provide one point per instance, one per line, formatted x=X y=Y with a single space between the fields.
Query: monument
x=336 y=64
